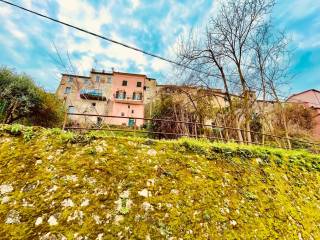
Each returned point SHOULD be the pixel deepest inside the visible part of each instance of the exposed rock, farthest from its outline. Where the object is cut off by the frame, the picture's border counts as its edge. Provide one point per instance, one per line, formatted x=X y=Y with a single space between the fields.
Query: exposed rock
x=25 y=203
x=147 y=206
x=52 y=236
x=72 y=178
x=224 y=210
x=99 y=149
x=76 y=215
x=76 y=236
x=5 y=188
x=85 y=202
x=38 y=162
x=152 y=152
x=144 y=193
x=233 y=222
x=67 y=203
x=150 y=182
x=38 y=221
x=97 y=219
x=190 y=232
x=13 y=217
x=118 y=219
x=300 y=236
x=100 y=236
x=52 y=221
x=53 y=189
x=125 y=194
x=169 y=205
x=174 y=191
x=5 y=200
x=259 y=160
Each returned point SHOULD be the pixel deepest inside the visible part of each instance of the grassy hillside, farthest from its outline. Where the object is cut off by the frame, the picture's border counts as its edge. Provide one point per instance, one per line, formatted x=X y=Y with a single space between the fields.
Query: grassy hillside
x=56 y=185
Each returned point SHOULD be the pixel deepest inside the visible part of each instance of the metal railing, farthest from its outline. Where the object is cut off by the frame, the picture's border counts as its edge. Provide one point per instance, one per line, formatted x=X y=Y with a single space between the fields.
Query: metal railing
x=198 y=131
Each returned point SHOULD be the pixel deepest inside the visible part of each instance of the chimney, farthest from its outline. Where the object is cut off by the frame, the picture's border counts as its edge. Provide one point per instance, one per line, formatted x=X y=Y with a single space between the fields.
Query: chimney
x=112 y=69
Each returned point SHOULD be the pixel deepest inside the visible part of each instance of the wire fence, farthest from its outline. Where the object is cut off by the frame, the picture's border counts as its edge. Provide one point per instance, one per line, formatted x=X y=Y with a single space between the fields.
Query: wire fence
x=150 y=127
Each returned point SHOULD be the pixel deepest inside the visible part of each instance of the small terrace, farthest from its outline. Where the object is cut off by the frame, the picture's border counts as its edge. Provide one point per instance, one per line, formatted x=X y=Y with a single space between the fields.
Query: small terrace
x=92 y=94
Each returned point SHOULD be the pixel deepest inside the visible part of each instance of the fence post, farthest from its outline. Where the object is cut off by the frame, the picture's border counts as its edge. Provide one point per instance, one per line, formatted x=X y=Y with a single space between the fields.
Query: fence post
x=65 y=120
x=195 y=129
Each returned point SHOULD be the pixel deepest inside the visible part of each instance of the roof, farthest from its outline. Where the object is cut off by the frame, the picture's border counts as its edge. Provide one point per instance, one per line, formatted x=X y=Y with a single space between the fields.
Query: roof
x=103 y=73
x=300 y=93
x=314 y=102
x=73 y=75
x=108 y=73
x=131 y=74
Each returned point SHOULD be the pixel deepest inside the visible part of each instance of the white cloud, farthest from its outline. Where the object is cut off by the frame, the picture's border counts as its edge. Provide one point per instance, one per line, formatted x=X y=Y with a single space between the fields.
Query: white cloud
x=15 y=31
x=5 y=11
x=84 y=14
x=303 y=41
x=297 y=9
x=135 y=3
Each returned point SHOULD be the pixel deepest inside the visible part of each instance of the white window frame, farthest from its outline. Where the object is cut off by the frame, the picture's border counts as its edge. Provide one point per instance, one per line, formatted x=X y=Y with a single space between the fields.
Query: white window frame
x=73 y=109
x=67 y=90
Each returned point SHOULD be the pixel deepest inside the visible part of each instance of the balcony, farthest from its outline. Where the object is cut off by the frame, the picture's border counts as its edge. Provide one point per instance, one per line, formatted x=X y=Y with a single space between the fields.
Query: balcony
x=92 y=94
x=121 y=97
x=128 y=100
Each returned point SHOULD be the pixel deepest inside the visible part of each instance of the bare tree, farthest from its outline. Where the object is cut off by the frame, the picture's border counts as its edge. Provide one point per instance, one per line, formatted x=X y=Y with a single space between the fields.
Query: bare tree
x=236 y=49
x=271 y=64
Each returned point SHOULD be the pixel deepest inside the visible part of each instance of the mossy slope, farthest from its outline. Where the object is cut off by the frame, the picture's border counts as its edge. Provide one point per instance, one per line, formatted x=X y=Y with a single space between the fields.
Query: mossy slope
x=56 y=185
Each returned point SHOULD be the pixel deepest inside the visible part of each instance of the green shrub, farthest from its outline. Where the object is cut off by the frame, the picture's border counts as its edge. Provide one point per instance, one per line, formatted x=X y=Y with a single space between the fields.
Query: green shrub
x=28 y=134
x=21 y=101
x=16 y=129
x=67 y=137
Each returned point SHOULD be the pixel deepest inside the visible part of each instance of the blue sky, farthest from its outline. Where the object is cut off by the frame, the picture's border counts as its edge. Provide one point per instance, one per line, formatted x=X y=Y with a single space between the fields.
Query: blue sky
x=27 y=42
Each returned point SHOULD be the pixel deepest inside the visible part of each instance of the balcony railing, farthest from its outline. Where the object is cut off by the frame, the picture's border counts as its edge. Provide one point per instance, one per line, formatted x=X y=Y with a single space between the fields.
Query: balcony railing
x=128 y=100
x=92 y=94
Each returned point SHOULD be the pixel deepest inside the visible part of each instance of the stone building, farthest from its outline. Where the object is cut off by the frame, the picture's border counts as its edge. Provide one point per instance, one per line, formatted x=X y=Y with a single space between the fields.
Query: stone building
x=117 y=94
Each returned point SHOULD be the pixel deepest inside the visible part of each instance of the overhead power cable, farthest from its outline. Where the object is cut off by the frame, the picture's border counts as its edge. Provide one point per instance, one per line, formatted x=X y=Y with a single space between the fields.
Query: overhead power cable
x=120 y=43
x=98 y=35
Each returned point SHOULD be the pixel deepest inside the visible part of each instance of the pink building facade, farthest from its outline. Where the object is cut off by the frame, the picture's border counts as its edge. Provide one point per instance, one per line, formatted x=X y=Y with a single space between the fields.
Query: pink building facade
x=311 y=99
x=127 y=99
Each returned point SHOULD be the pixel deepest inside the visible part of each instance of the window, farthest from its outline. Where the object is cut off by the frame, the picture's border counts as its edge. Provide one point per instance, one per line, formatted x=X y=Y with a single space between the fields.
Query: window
x=124 y=83
x=120 y=95
x=67 y=90
x=86 y=81
x=70 y=80
x=138 y=84
x=93 y=104
x=97 y=79
x=109 y=80
x=122 y=114
x=132 y=111
x=137 y=96
x=71 y=109
x=128 y=106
